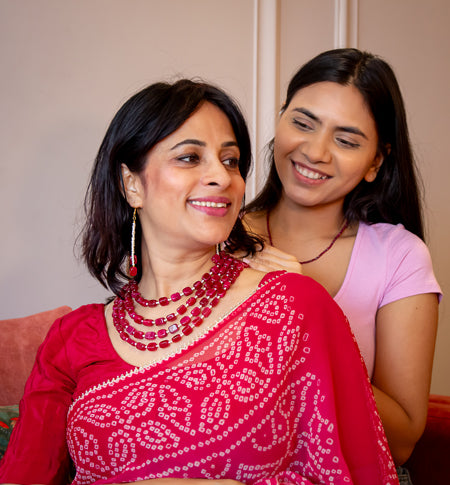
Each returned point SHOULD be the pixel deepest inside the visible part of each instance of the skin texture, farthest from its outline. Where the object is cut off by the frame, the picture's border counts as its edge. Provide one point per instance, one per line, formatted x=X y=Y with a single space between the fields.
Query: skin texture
x=325 y=144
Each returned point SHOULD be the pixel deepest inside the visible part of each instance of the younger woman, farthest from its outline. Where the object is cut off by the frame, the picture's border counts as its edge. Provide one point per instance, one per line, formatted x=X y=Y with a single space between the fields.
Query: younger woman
x=341 y=205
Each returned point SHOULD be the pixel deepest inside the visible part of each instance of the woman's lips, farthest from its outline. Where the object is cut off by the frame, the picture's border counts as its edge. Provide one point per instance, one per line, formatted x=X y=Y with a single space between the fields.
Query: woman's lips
x=310 y=175
x=215 y=206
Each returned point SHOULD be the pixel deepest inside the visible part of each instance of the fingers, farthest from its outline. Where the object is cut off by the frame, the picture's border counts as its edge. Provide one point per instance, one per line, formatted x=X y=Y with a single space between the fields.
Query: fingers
x=272 y=259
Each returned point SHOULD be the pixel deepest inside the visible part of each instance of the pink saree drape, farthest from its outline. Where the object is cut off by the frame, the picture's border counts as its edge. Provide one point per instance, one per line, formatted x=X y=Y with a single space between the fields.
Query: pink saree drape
x=275 y=393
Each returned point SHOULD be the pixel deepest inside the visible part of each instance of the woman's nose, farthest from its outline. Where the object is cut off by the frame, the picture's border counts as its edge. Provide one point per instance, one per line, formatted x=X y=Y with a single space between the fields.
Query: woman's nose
x=317 y=148
x=216 y=173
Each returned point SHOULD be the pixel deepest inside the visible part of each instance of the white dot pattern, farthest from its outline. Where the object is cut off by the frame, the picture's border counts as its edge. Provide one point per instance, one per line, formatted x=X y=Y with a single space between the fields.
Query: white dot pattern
x=252 y=400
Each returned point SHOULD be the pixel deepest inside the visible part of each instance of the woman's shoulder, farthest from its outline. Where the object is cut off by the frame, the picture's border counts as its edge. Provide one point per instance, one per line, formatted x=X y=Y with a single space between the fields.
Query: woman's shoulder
x=388 y=232
x=384 y=237
x=294 y=284
x=395 y=249
x=79 y=319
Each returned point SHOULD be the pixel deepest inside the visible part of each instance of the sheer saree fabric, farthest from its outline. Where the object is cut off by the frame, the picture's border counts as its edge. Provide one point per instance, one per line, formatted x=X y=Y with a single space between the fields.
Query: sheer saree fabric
x=276 y=392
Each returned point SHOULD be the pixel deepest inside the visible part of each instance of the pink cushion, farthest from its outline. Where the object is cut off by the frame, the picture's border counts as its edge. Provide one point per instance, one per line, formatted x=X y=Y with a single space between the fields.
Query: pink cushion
x=20 y=339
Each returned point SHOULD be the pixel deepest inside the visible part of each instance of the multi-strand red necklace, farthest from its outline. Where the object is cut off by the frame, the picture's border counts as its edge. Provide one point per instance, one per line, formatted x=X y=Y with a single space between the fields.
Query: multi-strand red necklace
x=202 y=296
x=338 y=235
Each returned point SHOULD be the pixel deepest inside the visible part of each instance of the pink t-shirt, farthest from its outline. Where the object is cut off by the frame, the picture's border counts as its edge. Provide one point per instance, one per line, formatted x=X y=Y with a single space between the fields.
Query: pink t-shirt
x=387 y=263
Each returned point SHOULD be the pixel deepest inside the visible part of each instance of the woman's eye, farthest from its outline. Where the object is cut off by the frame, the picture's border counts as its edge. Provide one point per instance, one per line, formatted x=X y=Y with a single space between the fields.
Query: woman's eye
x=303 y=125
x=232 y=162
x=347 y=143
x=189 y=158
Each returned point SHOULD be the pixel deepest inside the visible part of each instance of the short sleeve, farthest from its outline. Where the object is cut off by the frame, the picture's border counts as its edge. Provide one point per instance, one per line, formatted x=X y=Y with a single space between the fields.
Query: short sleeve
x=37 y=452
x=409 y=269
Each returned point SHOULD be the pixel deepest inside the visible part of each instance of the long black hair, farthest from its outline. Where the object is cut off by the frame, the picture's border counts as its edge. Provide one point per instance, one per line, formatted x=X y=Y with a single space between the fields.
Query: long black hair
x=394 y=195
x=145 y=119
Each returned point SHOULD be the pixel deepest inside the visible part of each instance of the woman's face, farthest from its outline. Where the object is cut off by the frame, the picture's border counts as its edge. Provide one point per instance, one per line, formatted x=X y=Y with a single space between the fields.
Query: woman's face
x=191 y=189
x=325 y=144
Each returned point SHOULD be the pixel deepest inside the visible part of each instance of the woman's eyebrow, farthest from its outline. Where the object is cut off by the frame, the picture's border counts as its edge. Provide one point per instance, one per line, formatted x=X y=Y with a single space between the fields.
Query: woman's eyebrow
x=347 y=129
x=193 y=141
x=189 y=141
x=308 y=113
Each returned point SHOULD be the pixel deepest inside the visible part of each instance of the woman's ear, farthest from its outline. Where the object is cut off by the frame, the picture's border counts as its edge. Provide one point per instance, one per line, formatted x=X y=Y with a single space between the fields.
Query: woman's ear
x=371 y=174
x=132 y=186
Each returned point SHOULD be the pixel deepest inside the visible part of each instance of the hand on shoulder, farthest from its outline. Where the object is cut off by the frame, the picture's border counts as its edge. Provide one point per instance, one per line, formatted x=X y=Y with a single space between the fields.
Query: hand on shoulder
x=272 y=259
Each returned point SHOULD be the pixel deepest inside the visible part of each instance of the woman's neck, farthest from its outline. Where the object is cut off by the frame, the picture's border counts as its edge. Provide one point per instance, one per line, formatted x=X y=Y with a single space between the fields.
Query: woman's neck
x=167 y=271
x=300 y=222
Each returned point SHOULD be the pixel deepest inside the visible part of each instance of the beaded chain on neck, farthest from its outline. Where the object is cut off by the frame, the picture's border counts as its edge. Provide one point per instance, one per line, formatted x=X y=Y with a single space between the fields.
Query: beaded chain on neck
x=338 y=235
x=208 y=291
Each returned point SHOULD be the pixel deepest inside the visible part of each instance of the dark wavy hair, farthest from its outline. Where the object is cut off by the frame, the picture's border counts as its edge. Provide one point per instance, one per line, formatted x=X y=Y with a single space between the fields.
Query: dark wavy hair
x=394 y=195
x=145 y=119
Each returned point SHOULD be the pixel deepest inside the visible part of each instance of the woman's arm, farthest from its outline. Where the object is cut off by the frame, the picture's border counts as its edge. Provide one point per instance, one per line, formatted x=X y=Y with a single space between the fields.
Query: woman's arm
x=405 y=339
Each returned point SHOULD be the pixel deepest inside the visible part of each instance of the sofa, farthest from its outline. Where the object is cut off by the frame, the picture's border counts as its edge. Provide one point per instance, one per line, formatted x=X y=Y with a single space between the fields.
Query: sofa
x=428 y=465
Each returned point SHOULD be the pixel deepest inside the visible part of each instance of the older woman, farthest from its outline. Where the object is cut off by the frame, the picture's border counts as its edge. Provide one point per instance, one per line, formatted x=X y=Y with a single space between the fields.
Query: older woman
x=199 y=368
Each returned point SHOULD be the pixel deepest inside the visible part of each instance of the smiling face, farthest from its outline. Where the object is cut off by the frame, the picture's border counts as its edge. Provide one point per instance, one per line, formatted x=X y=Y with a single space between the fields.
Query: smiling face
x=325 y=144
x=190 y=192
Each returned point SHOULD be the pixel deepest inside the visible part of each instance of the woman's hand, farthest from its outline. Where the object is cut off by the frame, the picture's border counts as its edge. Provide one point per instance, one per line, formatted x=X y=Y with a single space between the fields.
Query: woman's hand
x=272 y=259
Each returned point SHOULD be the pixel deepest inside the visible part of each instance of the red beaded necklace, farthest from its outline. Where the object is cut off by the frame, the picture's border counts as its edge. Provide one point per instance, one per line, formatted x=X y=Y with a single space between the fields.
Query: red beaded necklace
x=338 y=235
x=207 y=291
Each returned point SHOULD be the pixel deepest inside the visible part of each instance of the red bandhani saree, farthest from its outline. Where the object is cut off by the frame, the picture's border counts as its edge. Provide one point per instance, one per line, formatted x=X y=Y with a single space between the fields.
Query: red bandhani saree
x=275 y=393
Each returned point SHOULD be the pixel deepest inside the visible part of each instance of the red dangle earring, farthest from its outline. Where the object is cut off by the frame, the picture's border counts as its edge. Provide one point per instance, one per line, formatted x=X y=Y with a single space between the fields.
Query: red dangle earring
x=133 y=259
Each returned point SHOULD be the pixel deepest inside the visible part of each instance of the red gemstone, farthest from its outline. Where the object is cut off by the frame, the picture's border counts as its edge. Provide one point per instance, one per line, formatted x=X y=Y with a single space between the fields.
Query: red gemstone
x=186 y=330
x=197 y=321
x=206 y=312
x=197 y=285
x=163 y=301
x=181 y=309
x=214 y=301
x=176 y=338
x=133 y=271
x=138 y=334
x=203 y=301
x=147 y=322
x=162 y=333
x=185 y=320
x=164 y=344
x=187 y=291
x=195 y=311
x=191 y=301
x=151 y=303
x=171 y=317
x=175 y=297
x=160 y=321
x=152 y=346
x=173 y=328
x=200 y=293
x=140 y=346
x=150 y=335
